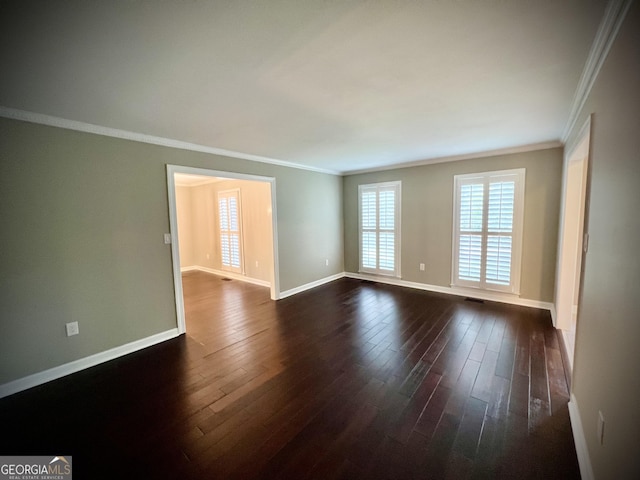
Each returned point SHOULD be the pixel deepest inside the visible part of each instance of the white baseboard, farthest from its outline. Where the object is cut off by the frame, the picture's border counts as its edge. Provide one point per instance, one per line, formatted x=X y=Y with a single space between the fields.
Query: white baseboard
x=586 y=471
x=461 y=292
x=569 y=340
x=309 y=286
x=222 y=273
x=189 y=269
x=39 y=378
x=554 y=315
x=54 y=373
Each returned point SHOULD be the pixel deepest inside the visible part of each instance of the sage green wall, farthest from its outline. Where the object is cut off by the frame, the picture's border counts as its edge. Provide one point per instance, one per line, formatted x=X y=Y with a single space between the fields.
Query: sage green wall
x=83 y=218
x=427 y=217
x=606 y=373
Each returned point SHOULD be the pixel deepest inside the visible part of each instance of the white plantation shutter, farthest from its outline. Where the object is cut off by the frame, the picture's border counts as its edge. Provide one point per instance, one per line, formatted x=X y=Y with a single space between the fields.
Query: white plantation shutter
x=500 y=231
x=230 y=231
x=379 y=228
x=470 y=256
x=488 y=230
x=470 y=244
x=369 y=238
x=498 y=260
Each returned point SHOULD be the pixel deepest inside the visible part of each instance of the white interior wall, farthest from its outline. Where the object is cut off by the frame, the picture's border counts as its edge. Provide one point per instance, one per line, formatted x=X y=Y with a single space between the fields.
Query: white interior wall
x=198 y=225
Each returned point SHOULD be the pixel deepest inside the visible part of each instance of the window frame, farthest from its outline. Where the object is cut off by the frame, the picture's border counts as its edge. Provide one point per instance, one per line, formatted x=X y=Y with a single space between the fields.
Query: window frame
x=396 y=187
x=486 y=178
x=234 y=192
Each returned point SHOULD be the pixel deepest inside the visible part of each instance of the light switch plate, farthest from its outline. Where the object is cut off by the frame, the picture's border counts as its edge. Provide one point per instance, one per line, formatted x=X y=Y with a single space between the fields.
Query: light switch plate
x=72 y=329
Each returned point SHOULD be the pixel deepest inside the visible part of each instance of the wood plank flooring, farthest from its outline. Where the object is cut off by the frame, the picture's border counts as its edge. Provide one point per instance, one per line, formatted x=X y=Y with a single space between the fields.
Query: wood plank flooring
x=352 y=380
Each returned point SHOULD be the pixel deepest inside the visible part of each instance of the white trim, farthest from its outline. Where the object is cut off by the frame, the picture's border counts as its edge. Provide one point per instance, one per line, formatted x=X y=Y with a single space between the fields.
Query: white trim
x=582 y=140
x=43 y=119
x=461 y=292
x=467 y=156
x=173 y=222
x=275 y=274
x=173 y=227
x=310 y=285
x=607 y=32
x=582 y=451
x=389 y=280
x=221 y=273
x=554 y=315
x=396 y=186
x=191 y=268
x=50 y=120
x=569 y=340
x=175 y=251
x=518 y=175
x=570 y=149
x=54 y=373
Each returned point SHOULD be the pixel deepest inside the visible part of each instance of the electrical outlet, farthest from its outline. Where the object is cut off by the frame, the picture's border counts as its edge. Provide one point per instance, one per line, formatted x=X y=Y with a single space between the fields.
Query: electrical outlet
x=422 y=267
x=326 y=262
x=72 y=329
x=600 y=428
x=167 y=238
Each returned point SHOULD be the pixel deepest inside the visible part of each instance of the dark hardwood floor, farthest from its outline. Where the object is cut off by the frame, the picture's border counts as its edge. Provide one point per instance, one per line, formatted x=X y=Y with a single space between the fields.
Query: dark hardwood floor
x=350 y=380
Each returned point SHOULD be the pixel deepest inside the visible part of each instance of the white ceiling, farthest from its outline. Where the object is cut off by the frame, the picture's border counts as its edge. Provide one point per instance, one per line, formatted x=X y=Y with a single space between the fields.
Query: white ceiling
x=335 y=85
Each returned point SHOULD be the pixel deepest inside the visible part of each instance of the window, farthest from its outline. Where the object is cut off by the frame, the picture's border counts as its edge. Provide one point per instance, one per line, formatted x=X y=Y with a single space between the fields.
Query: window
x=487 y=232
x=380 y=228
x=230 y=230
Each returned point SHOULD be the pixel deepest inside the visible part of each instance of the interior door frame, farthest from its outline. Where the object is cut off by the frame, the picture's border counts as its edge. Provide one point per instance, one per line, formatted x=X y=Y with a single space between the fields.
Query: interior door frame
x=571 y=239
x=173 y=230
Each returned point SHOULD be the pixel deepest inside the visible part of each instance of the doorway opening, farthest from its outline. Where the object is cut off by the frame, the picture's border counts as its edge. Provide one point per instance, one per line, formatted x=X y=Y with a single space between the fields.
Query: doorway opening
x=573 y=240
x=198 y=232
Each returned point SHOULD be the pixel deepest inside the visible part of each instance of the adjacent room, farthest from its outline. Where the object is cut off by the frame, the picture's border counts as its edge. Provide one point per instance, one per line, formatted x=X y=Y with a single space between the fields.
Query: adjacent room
x=321 y=239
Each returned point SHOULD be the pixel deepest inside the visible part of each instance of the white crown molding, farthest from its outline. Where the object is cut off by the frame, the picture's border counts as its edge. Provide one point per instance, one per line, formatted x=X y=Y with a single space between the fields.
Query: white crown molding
x=614 y=15
x=585 y=131
x=42 y=119
x=467 y=156
x=52 y=121
x=54 y=373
